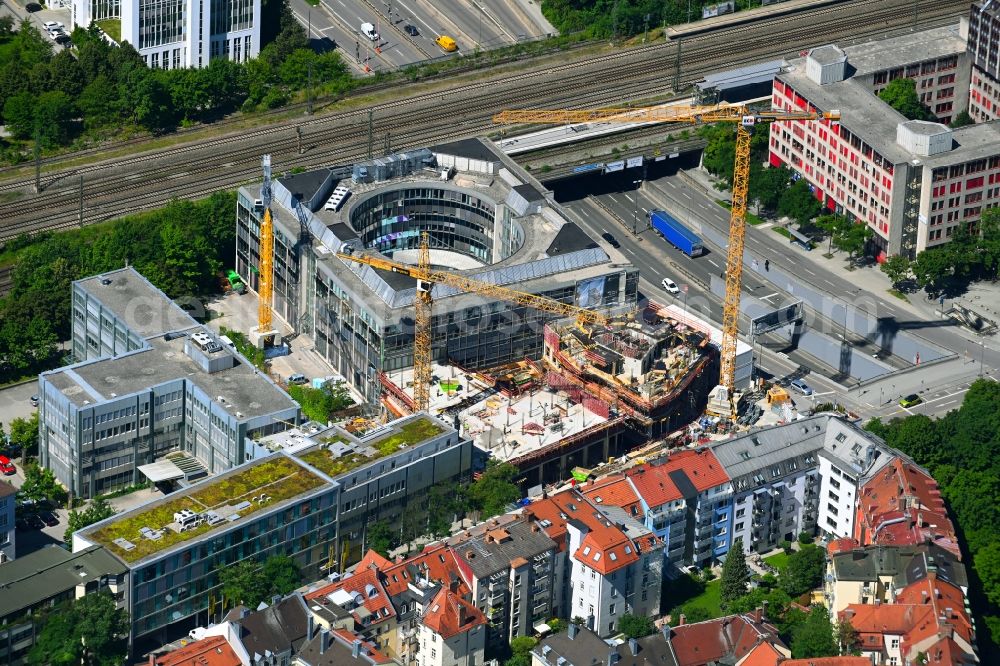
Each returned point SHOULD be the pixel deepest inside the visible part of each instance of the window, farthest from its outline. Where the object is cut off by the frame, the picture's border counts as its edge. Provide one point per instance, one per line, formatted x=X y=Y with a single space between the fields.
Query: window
x=611 y=609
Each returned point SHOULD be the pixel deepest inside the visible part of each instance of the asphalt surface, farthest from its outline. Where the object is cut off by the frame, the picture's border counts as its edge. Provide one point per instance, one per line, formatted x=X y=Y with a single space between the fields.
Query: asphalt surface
x=941 y=386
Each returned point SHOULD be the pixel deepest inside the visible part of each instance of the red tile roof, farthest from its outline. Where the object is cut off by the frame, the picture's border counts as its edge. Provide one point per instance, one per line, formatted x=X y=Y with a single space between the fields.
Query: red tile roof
x=211 y=651
x=946 y=601
x=614 y=490
x=901 y=505
x=367 y=583
x=436 y=562
x=450 y=614
x=605 y=547
x=764 y=654
x=653 y=482
x=844 y=545
x=731 y=637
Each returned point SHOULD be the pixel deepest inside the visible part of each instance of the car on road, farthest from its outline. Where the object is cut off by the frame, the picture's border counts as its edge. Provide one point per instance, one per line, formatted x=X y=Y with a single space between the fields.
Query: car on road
x=910 y=400
x=612 y=241
x=801 y=387
x=33 y=7
x=446 y=43
x=411 y=30
x=50 y=519
x=368 y=30
x=670 y=286
x=297 y=378
x=34 y=400
x=7 y=467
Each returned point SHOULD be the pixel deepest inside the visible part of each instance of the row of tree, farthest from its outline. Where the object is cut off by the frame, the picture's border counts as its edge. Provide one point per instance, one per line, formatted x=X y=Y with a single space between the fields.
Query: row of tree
x=180 y=248
x=623 y=18
x=962 y=452
x=950 y=268
x=102 y=90
x=489 y=495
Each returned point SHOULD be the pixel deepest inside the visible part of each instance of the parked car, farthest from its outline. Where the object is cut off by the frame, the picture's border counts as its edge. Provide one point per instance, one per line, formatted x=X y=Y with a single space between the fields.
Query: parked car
x=670 y=286
x=52 y=25
x=7 y=467
x=62 y=39
x=910 y=400
x=411 y=30
x=801 y=387
x=297 y=378
x=21 y=523
x=34 y=522
x=33 y=7
x=49 y=518
x=612 y=241
x=55 y=33
x=34 y=401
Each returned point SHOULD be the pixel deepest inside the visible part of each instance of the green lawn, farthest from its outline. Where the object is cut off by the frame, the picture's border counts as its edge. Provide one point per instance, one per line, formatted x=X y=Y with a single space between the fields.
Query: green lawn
x=112 y=28
x=752 y=219
x=778 y=560
x=781 y=230
x=688 y=592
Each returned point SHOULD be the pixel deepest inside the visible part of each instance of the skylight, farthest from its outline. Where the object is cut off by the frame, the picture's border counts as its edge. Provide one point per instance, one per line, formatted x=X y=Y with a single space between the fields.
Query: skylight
x=597 y=556
x=628 y=550
x=614 y=558
x=586 y=550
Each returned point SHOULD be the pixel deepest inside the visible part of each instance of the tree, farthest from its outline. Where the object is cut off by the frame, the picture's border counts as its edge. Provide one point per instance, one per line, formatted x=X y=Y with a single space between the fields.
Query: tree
x=636 y=626
x=901 y=94
x=848 y=638
x=814 y=637
x=852 y=238
x=99 y=103
x=90 y=630
x=934 y=268
x=961 y=119
x=242 y=583
x=767 y=185
x=380 y=538
x=24 y=434
x=97 y=510
x=495 y=490
x=799 y=203
x=735 y=573
x=520 y=648
x=40 y=484
x=805 y=538
x=897 y=268
x=804 y=570
x=282 y=573
x=445 y=504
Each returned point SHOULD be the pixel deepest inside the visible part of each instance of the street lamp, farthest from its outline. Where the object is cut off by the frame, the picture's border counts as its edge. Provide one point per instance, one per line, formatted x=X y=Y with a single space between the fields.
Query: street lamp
x=635 y=208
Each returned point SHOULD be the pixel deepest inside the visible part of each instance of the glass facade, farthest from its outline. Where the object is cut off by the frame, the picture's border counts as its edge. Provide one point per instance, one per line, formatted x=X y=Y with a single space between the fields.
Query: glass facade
x=161 y=22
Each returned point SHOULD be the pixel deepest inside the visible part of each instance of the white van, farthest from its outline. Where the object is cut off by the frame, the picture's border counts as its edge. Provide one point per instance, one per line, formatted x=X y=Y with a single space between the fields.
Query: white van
x=368 y=30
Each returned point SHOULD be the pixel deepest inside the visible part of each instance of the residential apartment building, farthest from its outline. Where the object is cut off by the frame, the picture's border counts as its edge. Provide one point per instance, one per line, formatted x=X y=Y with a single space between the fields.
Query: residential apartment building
x=148 y=381
x=282 y=504
x=8 y=532
x=179 y=33
x=984 y=50
x=34 y=584
x=902 y=505
x=912 y=182
x=511 y=566
x=613 y=563
x=686 y=501
x=452 y=632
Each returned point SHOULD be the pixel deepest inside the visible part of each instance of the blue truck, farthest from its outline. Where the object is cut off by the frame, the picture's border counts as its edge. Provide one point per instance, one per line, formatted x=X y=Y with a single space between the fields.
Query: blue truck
x=676 y=233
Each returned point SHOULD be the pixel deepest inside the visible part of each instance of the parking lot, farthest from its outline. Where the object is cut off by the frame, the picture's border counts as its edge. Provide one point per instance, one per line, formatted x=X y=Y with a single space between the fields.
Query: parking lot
x=39 y=18
x=408 y=30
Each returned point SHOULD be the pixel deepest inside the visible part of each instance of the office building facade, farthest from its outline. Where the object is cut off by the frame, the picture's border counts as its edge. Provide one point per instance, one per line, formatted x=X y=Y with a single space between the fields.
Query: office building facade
x=984 y=50
x=8 y=533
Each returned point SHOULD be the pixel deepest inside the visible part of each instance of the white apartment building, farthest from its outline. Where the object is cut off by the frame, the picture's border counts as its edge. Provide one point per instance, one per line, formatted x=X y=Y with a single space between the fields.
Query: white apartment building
x=171 y=34
x=452 y=633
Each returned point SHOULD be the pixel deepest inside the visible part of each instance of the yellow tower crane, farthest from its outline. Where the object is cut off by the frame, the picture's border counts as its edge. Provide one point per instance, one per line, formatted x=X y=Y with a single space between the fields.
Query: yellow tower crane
x=263 y=334
x=745 y=120
x=427 y=278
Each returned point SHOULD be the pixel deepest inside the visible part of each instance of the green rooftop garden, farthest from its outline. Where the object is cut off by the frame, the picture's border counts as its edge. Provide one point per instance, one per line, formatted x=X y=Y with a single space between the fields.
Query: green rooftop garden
x=112 y=28
x=279 y=478
x=414 y=432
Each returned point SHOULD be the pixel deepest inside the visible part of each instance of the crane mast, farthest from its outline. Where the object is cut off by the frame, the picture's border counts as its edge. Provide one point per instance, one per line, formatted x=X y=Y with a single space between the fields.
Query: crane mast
x=745 y=120
x=426 y=279
x=265 y=269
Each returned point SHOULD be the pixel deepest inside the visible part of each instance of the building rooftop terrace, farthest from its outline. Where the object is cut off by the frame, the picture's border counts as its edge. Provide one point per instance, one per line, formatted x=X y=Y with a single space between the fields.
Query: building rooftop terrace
x=220 y=501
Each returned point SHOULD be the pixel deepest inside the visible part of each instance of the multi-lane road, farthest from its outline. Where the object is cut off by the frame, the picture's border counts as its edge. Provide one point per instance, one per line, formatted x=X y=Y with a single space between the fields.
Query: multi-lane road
x=429 y=113
x=940 y=386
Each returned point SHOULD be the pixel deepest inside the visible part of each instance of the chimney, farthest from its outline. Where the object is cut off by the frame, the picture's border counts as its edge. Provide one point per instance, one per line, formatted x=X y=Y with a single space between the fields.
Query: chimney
x=573 y=630
x=763 y=610
x=633 y=645
x=757 y=614
x=681 y=620
x=310 y=627
x=356 y=648
x=535 y=527
x=152 y=660
x=275 y=599
x=324 y=637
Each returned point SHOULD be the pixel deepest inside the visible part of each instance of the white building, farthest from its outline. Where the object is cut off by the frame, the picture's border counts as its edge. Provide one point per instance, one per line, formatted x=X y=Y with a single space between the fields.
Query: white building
x=452 y=633
x=170 y=34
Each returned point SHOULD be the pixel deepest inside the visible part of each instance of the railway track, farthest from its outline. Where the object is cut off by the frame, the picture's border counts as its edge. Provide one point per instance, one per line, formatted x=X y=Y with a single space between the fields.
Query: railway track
x=147 y=180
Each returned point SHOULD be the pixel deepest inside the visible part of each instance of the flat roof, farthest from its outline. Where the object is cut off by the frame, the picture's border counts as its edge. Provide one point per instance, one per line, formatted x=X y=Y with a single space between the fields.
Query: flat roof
x=880 y=54
x=244 y=389
x=134 y=300
x=150 y=530
x=343 y=452
x=305 y=185
x=30 y=580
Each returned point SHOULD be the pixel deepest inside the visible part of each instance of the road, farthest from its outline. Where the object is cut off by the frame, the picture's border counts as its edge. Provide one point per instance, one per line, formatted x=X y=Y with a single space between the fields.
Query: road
x=941 y=386
x=415 y=116
x=15 y=402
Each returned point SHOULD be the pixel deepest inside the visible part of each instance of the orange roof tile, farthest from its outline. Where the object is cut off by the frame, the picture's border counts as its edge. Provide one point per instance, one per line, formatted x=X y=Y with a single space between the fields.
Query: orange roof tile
x=764 y=654
x=449 y=615
x=211 y=651
x=653 y=482
x=614 y=490
x=844 y=545
x=367 y=583
x=437 y=562
x=733 y=636
x=940 y=596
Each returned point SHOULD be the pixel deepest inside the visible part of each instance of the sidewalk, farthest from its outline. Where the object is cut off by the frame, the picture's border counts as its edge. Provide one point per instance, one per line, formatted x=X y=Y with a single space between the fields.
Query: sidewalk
x=984 y=298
